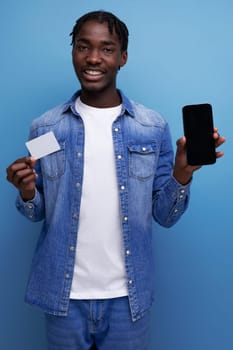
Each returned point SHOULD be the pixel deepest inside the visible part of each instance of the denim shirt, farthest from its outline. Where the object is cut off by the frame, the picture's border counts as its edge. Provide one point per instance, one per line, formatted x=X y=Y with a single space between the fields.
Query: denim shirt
x=147 y=191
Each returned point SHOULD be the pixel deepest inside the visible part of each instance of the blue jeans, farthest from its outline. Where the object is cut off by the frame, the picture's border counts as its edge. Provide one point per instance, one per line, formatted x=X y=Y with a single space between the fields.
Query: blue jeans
x=98 y=325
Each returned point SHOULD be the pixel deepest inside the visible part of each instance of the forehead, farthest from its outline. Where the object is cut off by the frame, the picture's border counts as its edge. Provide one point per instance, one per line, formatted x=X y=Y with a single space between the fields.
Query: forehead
x=94 y=31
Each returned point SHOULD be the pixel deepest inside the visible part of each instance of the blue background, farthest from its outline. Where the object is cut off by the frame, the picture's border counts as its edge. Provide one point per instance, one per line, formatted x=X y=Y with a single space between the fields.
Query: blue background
x=180 y=52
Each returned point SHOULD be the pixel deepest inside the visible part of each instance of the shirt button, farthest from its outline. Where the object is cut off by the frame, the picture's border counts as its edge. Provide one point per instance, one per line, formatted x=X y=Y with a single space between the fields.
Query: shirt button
x=30 y=206
x=67 y=275
x=75 y=216
x=143 y=149
x=176 y=210
x=182 y=191
x=72 y=248
x=116 y=129
x=181 y=196
x=127 y=252
x=122 y=187
x=125 y=218
x=79 y=154
x=130 y=281
x=78 y=184
x=119 y=156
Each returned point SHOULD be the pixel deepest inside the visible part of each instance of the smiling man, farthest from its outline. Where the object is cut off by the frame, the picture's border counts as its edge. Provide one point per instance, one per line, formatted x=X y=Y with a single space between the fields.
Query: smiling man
x=97 y=196
x=98 y=53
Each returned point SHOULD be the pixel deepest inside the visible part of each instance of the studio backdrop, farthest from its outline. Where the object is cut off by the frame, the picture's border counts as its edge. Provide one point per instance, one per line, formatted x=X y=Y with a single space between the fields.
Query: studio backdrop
x=180 y=52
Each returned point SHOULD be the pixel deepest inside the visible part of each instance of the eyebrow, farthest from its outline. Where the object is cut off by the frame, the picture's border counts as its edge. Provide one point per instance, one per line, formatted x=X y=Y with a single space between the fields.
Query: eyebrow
x=103 y=42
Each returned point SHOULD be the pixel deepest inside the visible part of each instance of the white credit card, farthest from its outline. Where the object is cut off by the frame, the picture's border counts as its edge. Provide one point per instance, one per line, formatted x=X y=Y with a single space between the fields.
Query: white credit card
x=43 y=145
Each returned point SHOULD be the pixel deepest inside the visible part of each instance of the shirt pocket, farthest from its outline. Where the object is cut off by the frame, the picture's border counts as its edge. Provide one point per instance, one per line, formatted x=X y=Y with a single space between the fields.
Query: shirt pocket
x=142 y=160
x=53 y=165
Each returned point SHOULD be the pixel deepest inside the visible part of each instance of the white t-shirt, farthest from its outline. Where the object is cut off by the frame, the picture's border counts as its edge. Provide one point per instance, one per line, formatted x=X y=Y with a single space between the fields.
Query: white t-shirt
x=99 y=271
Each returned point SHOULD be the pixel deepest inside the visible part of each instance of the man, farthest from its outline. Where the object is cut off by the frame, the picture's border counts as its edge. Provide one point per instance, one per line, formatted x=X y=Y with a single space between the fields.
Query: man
x=92 y=268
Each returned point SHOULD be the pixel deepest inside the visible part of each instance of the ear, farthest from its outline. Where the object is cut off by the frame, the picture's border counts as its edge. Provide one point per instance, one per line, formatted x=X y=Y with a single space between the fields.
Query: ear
x=124 y=57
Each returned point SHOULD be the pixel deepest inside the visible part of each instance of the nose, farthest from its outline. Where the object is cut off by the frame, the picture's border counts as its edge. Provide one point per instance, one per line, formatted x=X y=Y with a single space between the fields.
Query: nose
x=94 y=56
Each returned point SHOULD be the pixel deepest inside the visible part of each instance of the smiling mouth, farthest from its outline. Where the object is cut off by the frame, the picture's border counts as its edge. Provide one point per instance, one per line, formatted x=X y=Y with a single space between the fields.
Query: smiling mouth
x=93 y=73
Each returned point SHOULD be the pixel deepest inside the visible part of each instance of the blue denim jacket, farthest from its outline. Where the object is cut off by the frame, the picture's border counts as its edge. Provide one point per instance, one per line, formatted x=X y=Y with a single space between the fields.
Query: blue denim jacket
x=147 y=190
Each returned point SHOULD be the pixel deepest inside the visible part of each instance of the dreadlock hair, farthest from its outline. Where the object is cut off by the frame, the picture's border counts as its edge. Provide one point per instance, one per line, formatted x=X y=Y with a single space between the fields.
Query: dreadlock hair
x=114 y=24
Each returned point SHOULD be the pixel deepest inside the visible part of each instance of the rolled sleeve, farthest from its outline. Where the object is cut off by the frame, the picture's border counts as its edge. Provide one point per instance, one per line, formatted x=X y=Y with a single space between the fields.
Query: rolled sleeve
x=32 y=209
x=179 y=198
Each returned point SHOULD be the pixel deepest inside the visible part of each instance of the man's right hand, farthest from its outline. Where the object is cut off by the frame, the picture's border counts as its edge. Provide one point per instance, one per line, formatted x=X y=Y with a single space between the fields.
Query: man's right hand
x=22 y=175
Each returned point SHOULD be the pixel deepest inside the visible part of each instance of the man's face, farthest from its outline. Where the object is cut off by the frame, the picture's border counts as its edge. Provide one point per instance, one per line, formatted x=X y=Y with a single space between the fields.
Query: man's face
x=97 y=57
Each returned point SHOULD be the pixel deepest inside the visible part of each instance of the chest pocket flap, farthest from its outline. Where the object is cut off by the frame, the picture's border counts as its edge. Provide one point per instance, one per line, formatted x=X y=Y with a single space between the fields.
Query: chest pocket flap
x=142 y=160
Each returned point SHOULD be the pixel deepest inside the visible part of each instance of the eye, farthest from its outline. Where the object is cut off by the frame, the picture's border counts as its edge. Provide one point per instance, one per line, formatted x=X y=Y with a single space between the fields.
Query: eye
x=108 y=50
x=81 y=48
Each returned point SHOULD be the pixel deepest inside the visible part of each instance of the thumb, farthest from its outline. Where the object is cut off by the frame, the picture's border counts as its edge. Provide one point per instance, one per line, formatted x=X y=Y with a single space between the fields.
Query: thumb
x=180 y=143
x=32 y=162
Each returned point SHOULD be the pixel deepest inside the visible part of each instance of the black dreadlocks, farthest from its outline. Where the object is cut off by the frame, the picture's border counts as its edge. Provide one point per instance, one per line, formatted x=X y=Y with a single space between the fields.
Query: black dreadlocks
x=113 y=22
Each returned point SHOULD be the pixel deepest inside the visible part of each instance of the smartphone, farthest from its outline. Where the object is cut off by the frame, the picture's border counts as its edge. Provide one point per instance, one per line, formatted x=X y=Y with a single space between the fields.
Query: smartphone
x=198 y=130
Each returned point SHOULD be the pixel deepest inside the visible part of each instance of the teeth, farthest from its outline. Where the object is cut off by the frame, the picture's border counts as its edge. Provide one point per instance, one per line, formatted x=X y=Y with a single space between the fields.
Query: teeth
x=93 y=72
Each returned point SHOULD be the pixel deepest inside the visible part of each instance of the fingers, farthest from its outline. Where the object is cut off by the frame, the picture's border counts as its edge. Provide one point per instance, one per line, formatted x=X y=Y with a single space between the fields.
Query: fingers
x=21 y=173
x=219 y=154
x=219 y=140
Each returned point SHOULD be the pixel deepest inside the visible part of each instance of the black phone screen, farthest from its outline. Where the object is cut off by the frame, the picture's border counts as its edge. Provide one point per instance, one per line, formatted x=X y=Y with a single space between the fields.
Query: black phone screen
x=198 y=130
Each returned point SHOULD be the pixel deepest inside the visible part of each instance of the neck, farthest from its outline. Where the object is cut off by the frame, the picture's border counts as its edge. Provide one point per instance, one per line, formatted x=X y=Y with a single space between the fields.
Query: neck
x=100 y=99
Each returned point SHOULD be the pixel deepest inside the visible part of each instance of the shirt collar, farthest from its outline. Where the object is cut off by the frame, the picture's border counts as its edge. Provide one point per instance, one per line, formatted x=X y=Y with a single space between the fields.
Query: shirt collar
x=126 y=104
